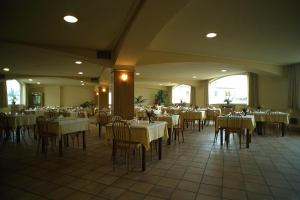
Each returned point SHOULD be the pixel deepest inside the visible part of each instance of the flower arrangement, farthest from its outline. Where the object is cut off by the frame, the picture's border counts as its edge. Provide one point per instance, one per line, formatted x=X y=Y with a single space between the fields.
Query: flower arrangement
x=150 y=114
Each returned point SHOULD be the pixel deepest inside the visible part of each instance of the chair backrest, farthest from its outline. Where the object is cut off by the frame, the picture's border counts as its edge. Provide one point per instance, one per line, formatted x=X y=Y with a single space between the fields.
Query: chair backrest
x=3 y=121
x=41 y=125
x=102 y=117
x=211 y=114
x=226 y=111
x=234 y=122
x=115 y=118
x=121 y=132
x=273 y=116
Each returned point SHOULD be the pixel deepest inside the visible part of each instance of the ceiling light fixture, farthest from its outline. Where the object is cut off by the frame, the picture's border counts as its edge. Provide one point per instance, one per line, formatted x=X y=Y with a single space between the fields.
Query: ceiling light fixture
x=194 y=76
x=137 y=73
x=82 y=84
x=81 y=81
x=38 y=83
x=30 y=79
x=70 y=19
x=160 y=84
x=223 y=70
x=6 y=69
x=78 y=62
x=211 y=35
x=80 y=73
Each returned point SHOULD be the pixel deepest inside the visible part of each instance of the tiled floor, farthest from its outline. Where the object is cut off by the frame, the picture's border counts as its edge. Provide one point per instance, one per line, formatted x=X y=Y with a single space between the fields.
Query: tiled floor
x=195 y=169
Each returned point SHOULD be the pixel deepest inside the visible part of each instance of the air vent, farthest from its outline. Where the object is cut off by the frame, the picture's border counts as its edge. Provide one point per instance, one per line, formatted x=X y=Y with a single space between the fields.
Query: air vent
x=95 y=80
x=104 y=54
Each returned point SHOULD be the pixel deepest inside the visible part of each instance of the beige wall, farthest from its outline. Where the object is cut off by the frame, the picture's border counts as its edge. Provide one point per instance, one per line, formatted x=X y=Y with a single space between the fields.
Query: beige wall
x=147 y=92
x=55 y=95
x=273 y=92
x=74 y=96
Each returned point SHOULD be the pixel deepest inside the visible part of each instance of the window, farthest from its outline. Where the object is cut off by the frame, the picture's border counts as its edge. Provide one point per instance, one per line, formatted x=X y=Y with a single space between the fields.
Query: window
x=13 y=92
x=234 y=88
x=181 y=93
x=109 y=99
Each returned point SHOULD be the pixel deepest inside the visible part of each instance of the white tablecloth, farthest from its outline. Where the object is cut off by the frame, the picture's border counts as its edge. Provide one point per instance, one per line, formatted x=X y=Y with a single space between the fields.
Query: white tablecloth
x=172 y=120
x=16 y=120
x=68 y=125
x=224 y=121
x=267 y=117
x=143 y=132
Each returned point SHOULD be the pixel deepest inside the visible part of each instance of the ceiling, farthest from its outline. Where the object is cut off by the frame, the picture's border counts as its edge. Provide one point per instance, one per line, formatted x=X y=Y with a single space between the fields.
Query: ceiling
x=55 y=80
x=260 y=31
x=258 y=36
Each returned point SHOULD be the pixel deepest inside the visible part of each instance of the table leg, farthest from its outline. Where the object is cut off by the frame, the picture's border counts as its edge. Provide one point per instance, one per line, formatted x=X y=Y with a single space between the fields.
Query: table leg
x=100 y=128
x=43 y=145
x=199 y=125
x=60 y=146
x=221 y=136
x=159 y=148
x=170 y=134
x=83 y=140
x=18 y=134
x=247 y=138
x=282 y=129
x=143 y=158
x=202 y=124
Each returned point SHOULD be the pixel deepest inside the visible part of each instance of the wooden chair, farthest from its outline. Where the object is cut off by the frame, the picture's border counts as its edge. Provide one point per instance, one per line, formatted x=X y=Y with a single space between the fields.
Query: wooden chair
x=5 y=131
x=227 y=110
x=122 y=141
x=273 y=121
x=114 y=118
x=44 y=135
x=102 y=119
x=176 y=131
x=234 y=125
x=211 y=115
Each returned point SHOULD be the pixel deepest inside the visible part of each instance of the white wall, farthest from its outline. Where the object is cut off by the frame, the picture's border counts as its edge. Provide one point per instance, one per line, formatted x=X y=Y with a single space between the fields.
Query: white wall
x=147 y=92
x=74 y=96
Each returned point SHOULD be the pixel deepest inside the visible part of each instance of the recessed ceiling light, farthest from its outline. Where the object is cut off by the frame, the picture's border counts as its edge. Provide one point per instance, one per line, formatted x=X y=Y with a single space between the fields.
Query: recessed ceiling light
x=30 y=79
x=78 y=62
x=223 y=70
x=38 y=83
x=194 y=76
x=137 y=73
x=70 y=19
x=82 y=84
x=6 y=69
x=211 y=35
x=80 y=73
x=160 y=84
x=81 y=81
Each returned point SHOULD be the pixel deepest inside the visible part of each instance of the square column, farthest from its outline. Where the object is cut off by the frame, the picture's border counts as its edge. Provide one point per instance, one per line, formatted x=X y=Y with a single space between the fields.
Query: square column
x=123 y=93
x=103 y=91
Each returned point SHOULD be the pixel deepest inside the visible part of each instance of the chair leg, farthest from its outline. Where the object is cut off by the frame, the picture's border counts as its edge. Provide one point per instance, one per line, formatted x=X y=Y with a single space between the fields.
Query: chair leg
x=182 y=135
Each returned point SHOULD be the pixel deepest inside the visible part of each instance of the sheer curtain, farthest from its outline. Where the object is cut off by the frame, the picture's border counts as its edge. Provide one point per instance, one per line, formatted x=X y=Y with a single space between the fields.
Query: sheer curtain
x=253 y=90
x=3 y=94
x=294 y=86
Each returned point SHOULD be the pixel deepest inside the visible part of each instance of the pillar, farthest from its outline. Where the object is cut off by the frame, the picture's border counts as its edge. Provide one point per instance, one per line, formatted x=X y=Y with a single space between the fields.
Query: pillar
x=123 y=93
x=103 y=91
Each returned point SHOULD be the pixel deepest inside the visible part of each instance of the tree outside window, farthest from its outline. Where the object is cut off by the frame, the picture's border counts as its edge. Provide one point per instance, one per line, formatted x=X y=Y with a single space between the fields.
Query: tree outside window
x=13 y=88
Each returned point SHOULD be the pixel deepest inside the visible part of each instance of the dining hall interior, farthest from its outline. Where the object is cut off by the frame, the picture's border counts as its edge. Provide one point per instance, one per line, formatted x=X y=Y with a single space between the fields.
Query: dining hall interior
x=149 y=99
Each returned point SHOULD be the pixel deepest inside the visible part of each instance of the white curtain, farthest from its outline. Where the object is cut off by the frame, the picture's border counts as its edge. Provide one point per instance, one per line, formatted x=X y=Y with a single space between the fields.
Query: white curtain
x=294 y=87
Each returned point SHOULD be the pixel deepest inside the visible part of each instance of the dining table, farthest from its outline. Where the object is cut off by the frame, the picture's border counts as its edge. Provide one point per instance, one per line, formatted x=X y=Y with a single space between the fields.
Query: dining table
x=172 y=120
x=18 y=120
x=248 y=124
x=273 y=117
x=143 y=132
x=67 y=125
x=193 y=116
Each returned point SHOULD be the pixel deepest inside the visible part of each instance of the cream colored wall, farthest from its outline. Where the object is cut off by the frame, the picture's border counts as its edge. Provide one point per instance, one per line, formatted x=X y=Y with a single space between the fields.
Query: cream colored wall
x=147 y=92
x=51 y=95
x=55 y=95
x=199 y=92
x=273 y=92
x=74 y=96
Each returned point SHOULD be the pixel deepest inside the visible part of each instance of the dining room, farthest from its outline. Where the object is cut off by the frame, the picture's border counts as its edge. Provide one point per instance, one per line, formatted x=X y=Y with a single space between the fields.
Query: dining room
x=140 y=99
